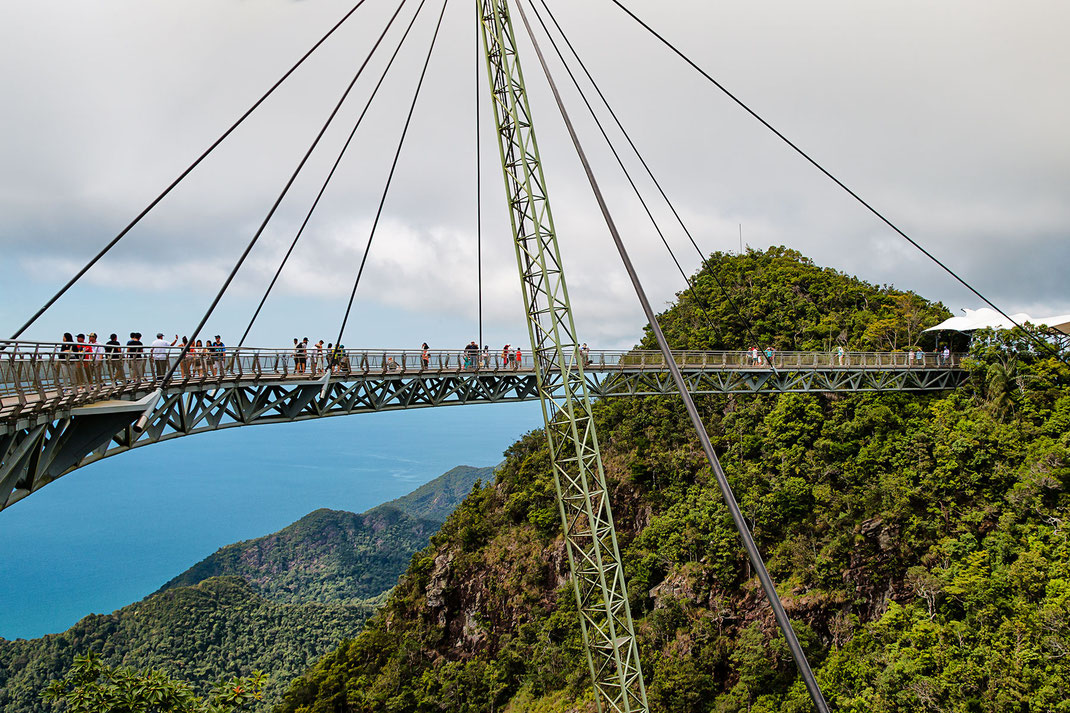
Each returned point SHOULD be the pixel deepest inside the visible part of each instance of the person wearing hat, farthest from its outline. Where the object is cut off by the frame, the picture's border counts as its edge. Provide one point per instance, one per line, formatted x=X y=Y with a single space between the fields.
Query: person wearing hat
x=94 y=359
x=159 y=352
x=219 y=351
x=134 y=354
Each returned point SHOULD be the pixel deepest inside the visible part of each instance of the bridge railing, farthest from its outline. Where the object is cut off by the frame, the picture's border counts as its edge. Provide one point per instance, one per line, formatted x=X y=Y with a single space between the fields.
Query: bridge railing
x=39 y=375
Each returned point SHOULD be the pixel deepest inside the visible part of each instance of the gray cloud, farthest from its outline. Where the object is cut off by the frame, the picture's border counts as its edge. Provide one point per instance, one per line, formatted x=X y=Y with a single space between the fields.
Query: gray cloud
x=941 y=115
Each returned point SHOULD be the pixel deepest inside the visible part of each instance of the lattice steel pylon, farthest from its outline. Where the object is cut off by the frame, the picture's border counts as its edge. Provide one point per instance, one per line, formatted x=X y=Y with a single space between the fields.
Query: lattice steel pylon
x=583 y=500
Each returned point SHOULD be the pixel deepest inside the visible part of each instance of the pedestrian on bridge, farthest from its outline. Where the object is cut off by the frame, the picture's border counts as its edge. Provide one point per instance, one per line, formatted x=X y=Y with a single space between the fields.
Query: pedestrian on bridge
x=94 y=360
x=506 y=357
x=471 y=355
x=425 y=356
x=159 y=352
x=66 y=347
x=317 y=356
x=134 y=354
x=113 y=350
x=516 y=364
x=81 y=368
x=217 y=350
x=184 y=363
x=300 y=355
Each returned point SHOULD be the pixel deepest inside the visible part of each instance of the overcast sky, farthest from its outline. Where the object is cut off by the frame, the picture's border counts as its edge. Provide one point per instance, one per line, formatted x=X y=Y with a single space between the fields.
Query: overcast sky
x=948 y=116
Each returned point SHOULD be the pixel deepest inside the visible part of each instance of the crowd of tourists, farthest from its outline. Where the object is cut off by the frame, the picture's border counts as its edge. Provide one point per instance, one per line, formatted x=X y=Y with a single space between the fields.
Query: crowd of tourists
x=92 y=361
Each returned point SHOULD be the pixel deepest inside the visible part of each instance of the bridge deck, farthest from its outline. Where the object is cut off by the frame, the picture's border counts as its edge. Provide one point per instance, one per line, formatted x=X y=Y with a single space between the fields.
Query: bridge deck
x=57 y=415
x=36 y=380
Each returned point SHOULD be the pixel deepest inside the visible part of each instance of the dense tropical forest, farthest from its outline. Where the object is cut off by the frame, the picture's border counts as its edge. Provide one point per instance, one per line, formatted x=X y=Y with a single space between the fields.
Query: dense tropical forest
x=275 y=603
x=220 y=627
x=920 y=541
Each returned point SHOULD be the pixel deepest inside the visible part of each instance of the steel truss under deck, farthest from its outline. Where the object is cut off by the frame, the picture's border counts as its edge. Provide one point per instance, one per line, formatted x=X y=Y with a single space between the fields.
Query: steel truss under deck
x=37 y=447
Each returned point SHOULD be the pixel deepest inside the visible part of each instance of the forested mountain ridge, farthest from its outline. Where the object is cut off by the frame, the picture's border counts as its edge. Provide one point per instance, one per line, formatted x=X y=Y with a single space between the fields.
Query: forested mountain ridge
x=919 y=541
x=326 y=556
x=335 y=556
x=275 y=603
x=436 y=499
x=220 y=627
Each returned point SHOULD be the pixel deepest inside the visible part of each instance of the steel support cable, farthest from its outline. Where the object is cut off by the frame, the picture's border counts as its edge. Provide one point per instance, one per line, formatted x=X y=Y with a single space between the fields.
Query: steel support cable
x=479 y=191
x=182 y=175
x=722 y=481
x=390 y=177
x=330 y=175
x=635 y=188
x=293 y=177
x=747 y=324
x=1036 y=340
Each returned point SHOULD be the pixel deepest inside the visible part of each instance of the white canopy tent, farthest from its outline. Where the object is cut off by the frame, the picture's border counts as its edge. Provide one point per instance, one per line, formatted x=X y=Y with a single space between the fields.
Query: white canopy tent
x=986 y=318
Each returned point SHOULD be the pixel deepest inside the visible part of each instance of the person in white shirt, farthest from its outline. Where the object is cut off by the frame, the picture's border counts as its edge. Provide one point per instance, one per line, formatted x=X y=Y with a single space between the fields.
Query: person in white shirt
x=94 y=359
x=159 y=350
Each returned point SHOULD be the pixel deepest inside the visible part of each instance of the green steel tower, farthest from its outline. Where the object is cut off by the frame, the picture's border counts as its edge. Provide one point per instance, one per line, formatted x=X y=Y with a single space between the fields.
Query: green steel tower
x=583 y=500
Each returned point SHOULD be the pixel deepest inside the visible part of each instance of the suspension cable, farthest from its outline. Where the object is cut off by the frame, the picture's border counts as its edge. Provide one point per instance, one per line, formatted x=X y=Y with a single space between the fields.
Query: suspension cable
x=722 y=481
x=334 y=168
x=690 y=286
x=1036 y=339
x=747 y=324
x=479 y=191
x=274 y=207
x=182 y=175
x=390 y=177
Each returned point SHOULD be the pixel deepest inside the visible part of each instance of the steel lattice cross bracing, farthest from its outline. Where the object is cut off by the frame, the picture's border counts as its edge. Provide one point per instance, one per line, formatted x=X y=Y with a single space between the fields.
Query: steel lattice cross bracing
x=582 y=496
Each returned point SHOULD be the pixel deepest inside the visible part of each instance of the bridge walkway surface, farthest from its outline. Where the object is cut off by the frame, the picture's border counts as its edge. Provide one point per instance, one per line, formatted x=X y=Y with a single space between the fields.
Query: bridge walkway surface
x=59 y=412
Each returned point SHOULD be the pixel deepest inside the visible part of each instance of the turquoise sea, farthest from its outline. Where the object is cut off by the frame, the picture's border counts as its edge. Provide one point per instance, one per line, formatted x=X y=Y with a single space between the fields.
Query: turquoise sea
x=113 y=532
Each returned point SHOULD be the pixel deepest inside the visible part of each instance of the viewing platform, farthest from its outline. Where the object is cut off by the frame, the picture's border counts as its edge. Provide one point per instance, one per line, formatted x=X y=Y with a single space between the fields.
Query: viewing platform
x=37 y=378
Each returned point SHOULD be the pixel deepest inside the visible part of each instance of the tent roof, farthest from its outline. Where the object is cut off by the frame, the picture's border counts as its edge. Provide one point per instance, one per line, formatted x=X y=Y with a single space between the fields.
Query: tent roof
x=991 y=319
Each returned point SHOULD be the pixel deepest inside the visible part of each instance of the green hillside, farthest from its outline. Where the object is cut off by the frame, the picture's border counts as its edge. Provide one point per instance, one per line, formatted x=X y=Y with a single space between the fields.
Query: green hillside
x=437 y=499
x=335 y=556
x=220 y=627
x=276 y=603
x=326 y=556
x=920 y=541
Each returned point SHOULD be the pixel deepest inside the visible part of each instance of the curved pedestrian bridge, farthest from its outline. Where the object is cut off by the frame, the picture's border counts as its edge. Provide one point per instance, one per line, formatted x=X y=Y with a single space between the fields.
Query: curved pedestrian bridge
x=61 y=411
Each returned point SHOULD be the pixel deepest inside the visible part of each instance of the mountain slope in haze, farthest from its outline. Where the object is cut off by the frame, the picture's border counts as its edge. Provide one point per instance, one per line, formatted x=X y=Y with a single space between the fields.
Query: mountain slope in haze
x=436 y=499
x=289 y=598
x=333 y=555
x=919 y=540
x=221 y=627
